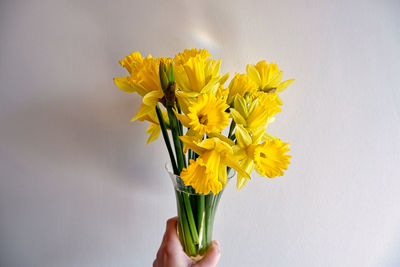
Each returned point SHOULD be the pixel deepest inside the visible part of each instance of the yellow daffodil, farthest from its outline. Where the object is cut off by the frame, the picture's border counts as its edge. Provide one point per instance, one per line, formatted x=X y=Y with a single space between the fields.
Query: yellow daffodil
x=209 y=171
x=255 y=111
x=222 y=93
x=268 y=158
x=144 y=77
x=191 y=83
x=240 y=85
x=182 y=58
x=147 y=113
x=129 y=61
x=195 y=74
x=268 y=77
x=206 y=115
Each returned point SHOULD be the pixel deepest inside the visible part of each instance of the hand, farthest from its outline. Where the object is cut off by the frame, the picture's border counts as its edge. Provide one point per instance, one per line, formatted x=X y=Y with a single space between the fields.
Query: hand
x=171 y=254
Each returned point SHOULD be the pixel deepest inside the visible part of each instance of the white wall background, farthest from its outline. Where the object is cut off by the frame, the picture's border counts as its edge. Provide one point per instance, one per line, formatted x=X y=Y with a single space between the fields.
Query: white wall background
x=79 y=187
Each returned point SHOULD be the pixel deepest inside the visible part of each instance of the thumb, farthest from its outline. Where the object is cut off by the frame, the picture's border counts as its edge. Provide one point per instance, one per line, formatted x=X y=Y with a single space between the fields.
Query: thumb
x=212 y=257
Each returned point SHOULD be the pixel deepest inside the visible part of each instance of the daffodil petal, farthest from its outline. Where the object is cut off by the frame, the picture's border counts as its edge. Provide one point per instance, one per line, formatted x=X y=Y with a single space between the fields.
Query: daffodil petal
x=143 y=111
x=237 y=117
x=190 y=143
x=183 y=119
x=224 y=78
x=223 y=175
x=275 y=81
x=253 y=74
x=154 y=131
x=233 y=163
x=240 y=105
x=221 y=137
x=152 y=98
x=242 y=136
x=123 y=84
x=283 y=85
x=247 y=165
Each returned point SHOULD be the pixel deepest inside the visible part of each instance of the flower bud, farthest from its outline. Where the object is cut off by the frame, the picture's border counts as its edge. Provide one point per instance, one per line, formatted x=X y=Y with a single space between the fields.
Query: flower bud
x=163 y=76
x=167 y=80
x=170 y=73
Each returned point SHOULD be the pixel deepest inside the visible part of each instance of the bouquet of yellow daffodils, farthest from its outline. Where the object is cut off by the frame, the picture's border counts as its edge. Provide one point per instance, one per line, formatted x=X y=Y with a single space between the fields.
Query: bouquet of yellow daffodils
x=185 y=98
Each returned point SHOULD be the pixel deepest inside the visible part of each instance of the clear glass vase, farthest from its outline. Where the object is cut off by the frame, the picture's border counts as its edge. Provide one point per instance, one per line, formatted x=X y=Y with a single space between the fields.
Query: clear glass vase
x=196 y=213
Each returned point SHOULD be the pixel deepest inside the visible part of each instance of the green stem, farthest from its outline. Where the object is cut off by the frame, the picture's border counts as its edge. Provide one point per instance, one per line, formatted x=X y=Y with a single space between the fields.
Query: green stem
x=166 y=138
x=191 y=249
x=208 y=220
x=177 y=142
x=200 y=217
x=180 y=224
x=231 y=129
x=181 y=164
x=189 y=213
x=180 y=129
x=179 y=122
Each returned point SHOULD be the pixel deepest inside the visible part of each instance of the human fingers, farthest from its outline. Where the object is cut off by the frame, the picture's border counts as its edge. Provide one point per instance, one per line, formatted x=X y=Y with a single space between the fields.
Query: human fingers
x=171 y=253
x=212 y=257
x=170 y=235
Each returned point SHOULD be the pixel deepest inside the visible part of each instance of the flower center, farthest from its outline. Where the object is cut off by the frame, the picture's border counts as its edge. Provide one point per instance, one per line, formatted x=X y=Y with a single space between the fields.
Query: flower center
x=203 y=119
x=263 y=155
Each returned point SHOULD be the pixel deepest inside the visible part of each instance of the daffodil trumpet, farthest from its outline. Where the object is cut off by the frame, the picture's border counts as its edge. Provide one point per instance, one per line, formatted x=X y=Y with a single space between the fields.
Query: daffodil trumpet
x=186 y=100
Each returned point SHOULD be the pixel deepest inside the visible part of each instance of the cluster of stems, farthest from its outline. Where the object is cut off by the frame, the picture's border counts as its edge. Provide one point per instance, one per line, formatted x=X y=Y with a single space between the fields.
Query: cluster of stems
x=196 y=212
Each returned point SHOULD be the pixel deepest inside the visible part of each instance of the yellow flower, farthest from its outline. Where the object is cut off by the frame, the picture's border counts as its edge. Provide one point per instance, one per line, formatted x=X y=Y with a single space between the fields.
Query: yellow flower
x=240 y=85
x=268 y=77
x=268 y=158
x=147 y=113
x=182 y=58
x=206 y=115
x=199 y=75
x=222 y=93
x=144 y=77
x=203 y=174
x=209 y=171
x=244 y=140
x=129 y=61
x=196 y=74
x=255 y=111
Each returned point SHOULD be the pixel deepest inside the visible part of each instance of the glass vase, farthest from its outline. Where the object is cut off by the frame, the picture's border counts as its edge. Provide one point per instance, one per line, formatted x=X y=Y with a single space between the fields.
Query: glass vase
x=196 y=213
